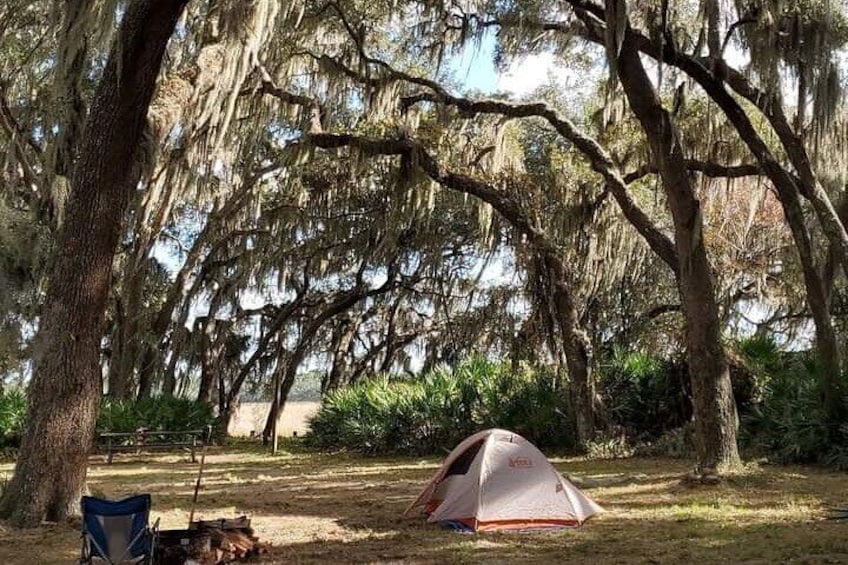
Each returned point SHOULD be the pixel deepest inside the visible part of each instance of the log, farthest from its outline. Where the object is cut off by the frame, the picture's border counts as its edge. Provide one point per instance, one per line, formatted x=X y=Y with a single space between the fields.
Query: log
x=240 y=523
x=231 y=540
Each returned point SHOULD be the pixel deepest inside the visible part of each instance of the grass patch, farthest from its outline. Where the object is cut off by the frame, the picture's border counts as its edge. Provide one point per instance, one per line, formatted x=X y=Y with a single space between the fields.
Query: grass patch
x=343 y=508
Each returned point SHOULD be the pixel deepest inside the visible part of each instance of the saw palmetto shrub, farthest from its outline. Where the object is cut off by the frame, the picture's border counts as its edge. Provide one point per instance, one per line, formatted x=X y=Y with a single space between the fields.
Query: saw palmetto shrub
x=644 y=395
x=13 y=406
x=432 y=413
x=785 y=420
x=154 y=413
x=159 y=413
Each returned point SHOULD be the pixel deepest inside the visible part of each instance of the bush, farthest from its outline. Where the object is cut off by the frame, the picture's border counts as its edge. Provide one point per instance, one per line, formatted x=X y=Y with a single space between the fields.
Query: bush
x=610 y=446
x=752 y=362
x=436 y=411
x=678 y=443
x=171 y=414
x=644 y=394
x=764 y=354
x=13 y=406
x=155 y=413
x=787 y=423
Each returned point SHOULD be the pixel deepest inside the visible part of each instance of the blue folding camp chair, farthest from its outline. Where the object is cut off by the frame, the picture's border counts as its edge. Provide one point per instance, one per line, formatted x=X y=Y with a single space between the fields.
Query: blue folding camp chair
x=117 y=532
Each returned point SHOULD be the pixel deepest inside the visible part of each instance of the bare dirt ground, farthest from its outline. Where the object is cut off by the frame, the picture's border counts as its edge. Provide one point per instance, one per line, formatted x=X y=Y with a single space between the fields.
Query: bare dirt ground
x=339 y=508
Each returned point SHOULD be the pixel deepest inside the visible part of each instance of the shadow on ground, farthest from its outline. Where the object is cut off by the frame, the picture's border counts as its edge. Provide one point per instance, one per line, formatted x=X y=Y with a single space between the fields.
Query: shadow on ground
x=338 y=508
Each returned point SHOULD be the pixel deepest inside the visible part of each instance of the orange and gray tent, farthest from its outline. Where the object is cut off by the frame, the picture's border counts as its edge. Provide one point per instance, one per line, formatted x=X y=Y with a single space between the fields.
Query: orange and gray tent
x=497 y=480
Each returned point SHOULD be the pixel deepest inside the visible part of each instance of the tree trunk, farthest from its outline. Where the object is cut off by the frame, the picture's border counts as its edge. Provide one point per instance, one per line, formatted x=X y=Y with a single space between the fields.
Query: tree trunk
x=827 y=348
x=66 y=385
x=207 y=371
x=117 y=354
x=147 y=372
x=281 y=394
x=367 y=361
x=214 y=338
x=343 y=335
x=225 y=411
x=230 y=398
x=392 y=343
x=577 y=349
x=716 y=420
x=169 y=375
x=128 y=331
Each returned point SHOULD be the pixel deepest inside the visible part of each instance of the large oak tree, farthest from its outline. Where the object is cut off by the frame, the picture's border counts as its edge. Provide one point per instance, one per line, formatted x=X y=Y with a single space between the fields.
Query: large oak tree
x=66 y=386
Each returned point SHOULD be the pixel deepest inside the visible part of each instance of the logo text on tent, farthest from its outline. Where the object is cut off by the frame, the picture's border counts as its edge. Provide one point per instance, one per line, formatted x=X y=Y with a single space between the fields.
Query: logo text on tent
x=520 y=462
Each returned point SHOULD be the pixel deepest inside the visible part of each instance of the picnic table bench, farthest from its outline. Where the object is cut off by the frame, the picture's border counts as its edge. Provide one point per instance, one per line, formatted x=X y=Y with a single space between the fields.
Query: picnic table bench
x=150 y=440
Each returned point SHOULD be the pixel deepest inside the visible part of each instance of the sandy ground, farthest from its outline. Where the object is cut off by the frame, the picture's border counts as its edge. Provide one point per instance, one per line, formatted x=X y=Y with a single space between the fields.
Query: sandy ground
x=250 y=417
x=344 y=509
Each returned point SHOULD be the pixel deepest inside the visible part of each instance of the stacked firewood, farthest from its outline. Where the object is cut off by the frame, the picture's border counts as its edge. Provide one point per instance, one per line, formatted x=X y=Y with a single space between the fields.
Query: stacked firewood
x=210 y=542
x=231 y=540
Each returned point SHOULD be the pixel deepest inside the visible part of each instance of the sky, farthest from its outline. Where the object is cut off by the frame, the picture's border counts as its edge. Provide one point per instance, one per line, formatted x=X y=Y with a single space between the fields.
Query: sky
x=475 y=69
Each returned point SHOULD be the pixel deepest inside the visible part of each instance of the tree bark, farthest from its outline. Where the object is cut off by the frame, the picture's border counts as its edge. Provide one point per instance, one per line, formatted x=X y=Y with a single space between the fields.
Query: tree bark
x=66 y=385
x=147 y=372
x=127 y=335
x=343 y=335
x=716 y=420
x=577 y=349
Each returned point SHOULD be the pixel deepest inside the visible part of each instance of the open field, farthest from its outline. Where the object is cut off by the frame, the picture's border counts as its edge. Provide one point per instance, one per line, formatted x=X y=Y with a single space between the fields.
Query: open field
x=340 y=508
x=250 y=417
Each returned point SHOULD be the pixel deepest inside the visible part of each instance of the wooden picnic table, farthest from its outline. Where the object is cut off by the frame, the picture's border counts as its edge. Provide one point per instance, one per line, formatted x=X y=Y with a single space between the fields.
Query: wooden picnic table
x=150 y=440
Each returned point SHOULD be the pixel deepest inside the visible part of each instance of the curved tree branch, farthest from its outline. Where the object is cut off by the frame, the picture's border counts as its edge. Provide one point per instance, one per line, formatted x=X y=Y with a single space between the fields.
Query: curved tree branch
x=707 y=168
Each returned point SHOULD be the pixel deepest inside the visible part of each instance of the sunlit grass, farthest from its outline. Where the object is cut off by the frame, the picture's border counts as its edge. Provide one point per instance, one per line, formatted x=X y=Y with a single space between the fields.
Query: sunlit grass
x=342 y=508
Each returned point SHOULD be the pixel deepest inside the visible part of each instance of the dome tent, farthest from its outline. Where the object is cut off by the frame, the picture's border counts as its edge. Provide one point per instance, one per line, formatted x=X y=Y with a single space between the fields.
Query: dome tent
x=497 y=480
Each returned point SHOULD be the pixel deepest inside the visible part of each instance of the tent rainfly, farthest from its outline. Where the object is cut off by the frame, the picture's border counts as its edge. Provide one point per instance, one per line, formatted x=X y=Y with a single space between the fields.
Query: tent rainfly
x=497 y=480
